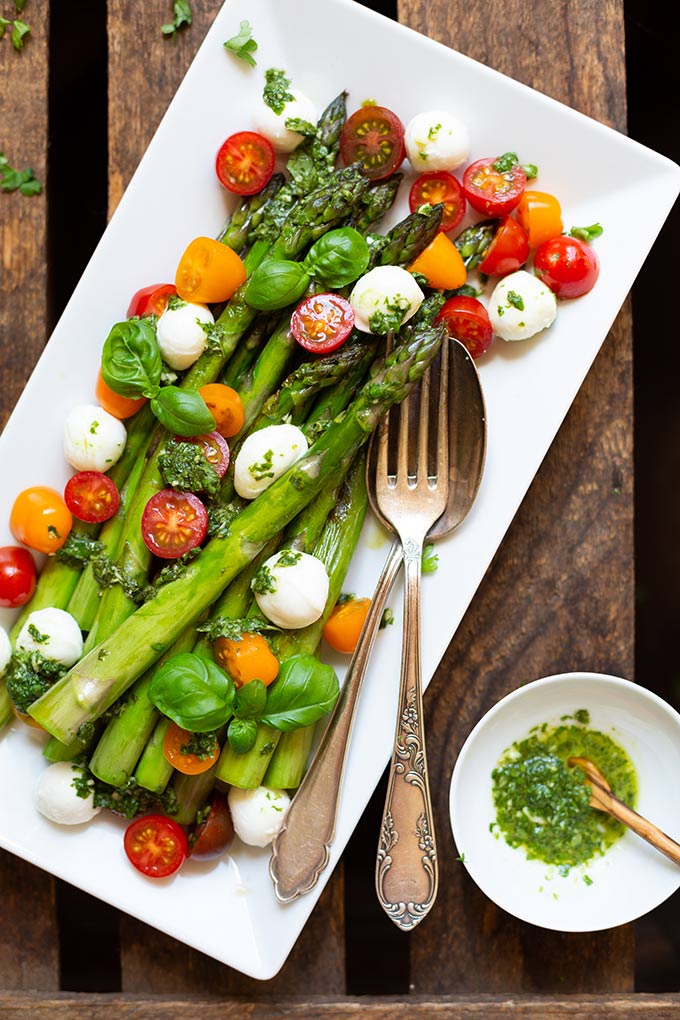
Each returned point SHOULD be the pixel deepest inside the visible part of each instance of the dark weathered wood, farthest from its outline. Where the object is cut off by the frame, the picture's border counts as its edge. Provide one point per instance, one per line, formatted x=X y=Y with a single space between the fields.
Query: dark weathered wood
x=29 y=956
x=559 y=595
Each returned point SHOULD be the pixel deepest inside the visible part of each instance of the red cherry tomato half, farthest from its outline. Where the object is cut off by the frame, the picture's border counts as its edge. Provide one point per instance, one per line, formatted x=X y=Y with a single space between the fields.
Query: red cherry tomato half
x=151 y=300
x=157 y=846
x=322 y=322
x=508 y=251
x=467 y=320
x=567 y=265
x=91 y=496
x=245 y=162
x=374 y=137
x=215 y=448
x=214 y=834
x=440 y=187
x=493 y=192
x=17 y=576
x=173 y=523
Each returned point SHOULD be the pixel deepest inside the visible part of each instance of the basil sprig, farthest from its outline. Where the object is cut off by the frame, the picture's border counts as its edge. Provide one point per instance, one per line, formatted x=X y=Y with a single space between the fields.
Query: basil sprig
x=183 y=412
x=131 y=360
x=338 y=257
x=194 y=692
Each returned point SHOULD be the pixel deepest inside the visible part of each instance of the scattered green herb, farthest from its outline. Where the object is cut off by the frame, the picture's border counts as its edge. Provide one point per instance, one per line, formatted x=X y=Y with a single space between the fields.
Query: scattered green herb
x=430 y=562
x=40 y=639
x=181 y=10
x=516 y=300
x=276 y=90
x=387 y=619
x=265 y=467
x=243 y=45
x=201 y=745
x=288 y=558
x=587 y=233
x=17 y=180
x=263 y=582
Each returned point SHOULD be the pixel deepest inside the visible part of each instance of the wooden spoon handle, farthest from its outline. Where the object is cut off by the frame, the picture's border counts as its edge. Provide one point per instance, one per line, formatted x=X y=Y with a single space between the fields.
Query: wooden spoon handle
x=652 y=833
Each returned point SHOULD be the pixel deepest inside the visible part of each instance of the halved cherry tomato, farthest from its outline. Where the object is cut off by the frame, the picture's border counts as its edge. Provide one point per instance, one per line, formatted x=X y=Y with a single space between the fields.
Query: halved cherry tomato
x=540 y=215
x=119 y=407
x=374 y=137
x=343 y=626
x=467 y=320
x=27 y=719
x=508 y=251
x=214 y=447
x=187 y=763
x=214 y=833
x=568 y=265
x=91 y=496
x=245 y=162
x=17 y=576
x=440 y=187
x=208 y=272
x=40 y=519
x=173 y=523
x=157 y=846
x=490 y=191
x=322 y=322
x=246 y=658
x=226 y=407
x=441 y=264
x=151 y=300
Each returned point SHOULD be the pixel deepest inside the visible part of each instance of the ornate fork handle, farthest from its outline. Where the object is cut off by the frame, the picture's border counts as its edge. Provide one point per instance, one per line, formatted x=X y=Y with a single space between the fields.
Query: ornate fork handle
x=407 y=870
x=302 y=848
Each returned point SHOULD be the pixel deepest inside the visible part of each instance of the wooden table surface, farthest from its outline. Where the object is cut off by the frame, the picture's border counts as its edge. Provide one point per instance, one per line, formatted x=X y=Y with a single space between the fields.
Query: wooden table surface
x=547 y=604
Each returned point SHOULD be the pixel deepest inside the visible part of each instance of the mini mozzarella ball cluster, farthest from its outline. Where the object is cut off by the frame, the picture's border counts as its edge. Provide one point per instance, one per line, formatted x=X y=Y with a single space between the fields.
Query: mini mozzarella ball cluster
x=273 y=125
x=180 y=334
x=521 y=306
x=264 y=457
x=436 y=140
x=385 y=290
x=93 y=439
x=5 y=650
x=53 y=633
x=257 y=814
x=57 y=798
x=299 y=590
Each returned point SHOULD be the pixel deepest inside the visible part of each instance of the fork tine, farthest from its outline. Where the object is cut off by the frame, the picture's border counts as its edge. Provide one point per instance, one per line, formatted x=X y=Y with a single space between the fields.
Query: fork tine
x=403 y=439
x=422 y=466
x=443 y=415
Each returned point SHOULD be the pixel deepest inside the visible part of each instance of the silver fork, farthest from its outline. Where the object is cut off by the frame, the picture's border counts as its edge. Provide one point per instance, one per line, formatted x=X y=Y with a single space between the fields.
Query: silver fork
x=410 y=500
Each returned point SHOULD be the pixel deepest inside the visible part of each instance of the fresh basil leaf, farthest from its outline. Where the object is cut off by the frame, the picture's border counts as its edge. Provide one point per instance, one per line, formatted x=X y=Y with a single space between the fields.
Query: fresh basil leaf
x=183 y=412
x=19 y=30
x=338 y=257
x=4 y=22
x=131 y=360
x=276 y=284
x=306 y=689
x=242 y=734
x=250 y=700
x=194 y=692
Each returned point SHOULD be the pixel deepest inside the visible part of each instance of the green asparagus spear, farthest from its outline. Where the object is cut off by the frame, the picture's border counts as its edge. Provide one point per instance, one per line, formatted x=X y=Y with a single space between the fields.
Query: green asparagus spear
x=248 y=213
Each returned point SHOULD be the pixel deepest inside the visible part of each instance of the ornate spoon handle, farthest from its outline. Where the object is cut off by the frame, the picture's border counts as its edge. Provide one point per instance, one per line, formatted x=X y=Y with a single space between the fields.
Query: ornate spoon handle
x=407 y=870
x=302 y=848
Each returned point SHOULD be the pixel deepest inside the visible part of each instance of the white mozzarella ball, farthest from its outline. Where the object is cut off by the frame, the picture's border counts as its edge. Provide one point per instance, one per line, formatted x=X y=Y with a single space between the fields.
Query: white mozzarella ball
x=93 y=438
x=54 y=633
x=5 y=650
x=521 y=306
x=264 y=457
x=57 y=798
x=299 y=589
x=385 y=291
x=257 y=814
x=181 y=338
x=436 y=140
x=273 y=125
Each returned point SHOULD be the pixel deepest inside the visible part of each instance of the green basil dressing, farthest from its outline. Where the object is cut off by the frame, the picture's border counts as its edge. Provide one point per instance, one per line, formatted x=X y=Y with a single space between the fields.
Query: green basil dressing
x=542 y=805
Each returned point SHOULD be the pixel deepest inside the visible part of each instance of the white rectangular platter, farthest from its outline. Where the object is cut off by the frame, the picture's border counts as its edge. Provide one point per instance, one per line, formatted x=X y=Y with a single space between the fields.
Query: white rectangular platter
x=529 y=387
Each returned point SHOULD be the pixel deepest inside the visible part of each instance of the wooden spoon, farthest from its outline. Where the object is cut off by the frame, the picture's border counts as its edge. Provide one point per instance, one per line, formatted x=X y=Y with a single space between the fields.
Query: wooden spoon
x=602 y=799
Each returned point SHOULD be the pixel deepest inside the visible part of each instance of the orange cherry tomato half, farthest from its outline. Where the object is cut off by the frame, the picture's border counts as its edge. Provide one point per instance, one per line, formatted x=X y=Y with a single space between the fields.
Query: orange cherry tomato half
x=322 y=322
x=208 y=272
x=343 y=626
x=40 y=519
x=185 y=762
x=374 y=137
x=151 y=300
x=441 y=264
x=22 y=717
x=490 y=191
x=173 y=523
x=157 y=846
x=119 y=407
x=248 y=658
x=226 y=407
x=92 y=496
x=17 y=576
x=540 y=215
x=438 y=188
x=245 y=162
x=508 y=250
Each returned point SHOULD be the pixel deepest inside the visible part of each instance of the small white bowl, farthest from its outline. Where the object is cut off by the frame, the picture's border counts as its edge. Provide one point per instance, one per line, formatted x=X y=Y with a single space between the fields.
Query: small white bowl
x=631 y=878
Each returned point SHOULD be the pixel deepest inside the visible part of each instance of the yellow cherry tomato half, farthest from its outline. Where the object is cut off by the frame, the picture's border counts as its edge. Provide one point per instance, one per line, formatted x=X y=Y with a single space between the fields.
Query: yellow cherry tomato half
x=343 y=626
x=441 y=264
x=119 y=407
x=541 y=216
x=40 y=519
x=226 y=407
x=186 y=762
x=208 y=272
x=248 y=658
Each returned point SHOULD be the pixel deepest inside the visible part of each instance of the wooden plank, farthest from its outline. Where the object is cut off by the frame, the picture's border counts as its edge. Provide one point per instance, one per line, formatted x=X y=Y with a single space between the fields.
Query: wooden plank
x=144 y=72
x=559 y=595
x=28 y=937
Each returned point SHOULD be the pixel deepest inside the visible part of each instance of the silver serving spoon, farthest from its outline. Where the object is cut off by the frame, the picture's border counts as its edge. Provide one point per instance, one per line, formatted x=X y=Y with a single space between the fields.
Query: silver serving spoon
x=302 y=848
